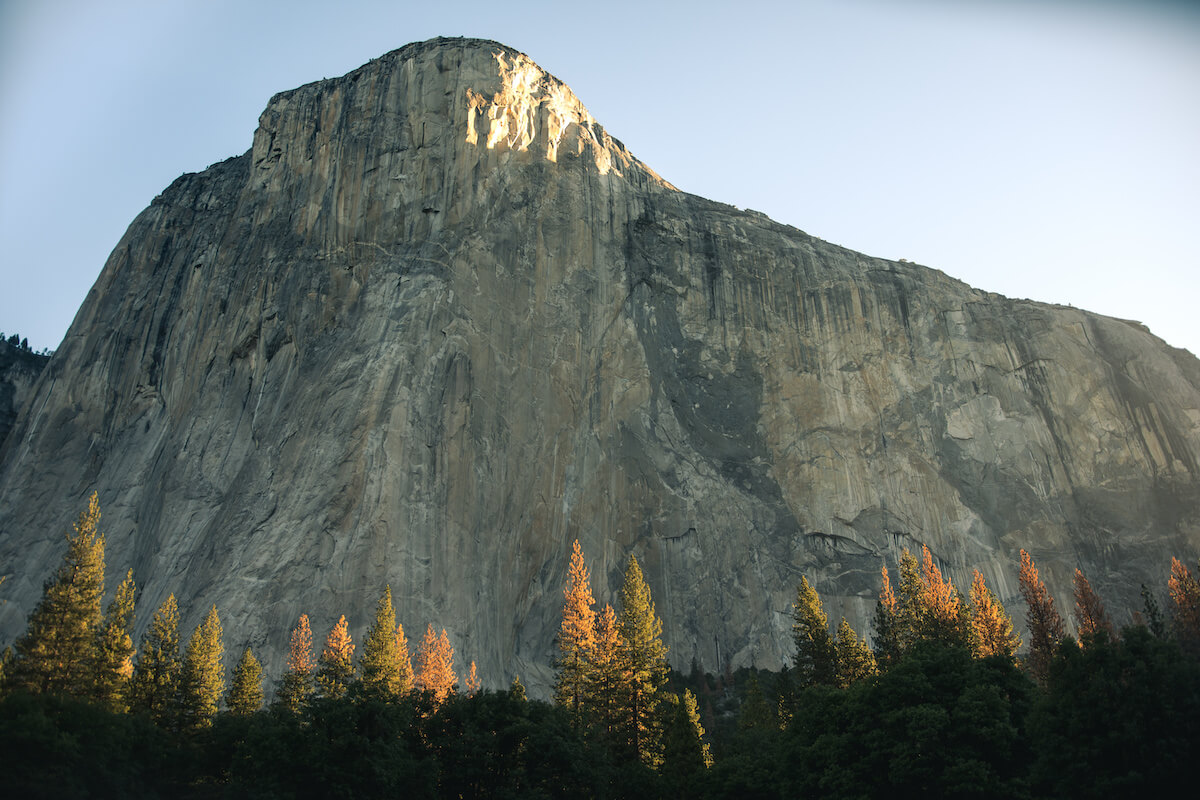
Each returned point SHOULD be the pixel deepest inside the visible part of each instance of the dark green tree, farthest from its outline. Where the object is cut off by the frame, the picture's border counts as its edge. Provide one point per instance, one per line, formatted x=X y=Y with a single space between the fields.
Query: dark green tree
x=157 y=676
x=57 y=653
x=245 y=690
x=114 y=650
x=203 y=672
x=815 y=660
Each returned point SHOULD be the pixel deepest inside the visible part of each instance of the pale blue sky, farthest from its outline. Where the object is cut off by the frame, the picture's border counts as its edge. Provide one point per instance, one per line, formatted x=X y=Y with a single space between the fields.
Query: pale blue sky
x=1048 y=150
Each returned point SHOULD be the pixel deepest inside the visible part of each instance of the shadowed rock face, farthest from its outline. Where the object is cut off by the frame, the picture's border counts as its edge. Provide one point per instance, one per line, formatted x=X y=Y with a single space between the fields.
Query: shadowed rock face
x=437 y=324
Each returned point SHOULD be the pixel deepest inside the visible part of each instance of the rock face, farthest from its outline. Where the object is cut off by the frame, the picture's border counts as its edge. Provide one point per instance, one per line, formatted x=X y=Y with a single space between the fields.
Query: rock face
x=437 y=323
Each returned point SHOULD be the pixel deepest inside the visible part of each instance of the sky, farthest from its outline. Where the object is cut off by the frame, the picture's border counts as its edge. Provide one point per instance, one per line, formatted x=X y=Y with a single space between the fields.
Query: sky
x=1042 y=149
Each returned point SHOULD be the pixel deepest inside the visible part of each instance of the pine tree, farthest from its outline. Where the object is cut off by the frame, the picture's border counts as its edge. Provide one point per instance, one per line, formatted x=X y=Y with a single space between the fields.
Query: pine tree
x=643 y=659
x=942 y=616
x=517 y=690
x=604 y=674
x=816 y=661
x=1090 y=616
x=297 y=684
x=435 y=665
x=1184 y=590
x=576 y=637
x=887 y=640
x=1045 y=625
x=114 y=650
x=472 y=683
x=383 y=662
x=991 y=627
x=245 y=690
x=685 y=753
x=155 y=687
x=855 y=661
x=1153 y=615
x=203 y=672
x=335 y=669
x=57 y=653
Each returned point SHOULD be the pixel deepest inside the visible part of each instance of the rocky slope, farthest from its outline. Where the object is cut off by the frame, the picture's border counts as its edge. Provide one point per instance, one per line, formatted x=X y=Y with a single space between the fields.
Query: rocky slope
x=437 y=323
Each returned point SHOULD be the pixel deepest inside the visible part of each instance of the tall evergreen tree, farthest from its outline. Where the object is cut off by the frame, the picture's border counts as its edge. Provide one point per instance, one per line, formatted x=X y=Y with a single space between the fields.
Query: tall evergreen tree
x=155 y=687
x=245 y=690
x=472 y=684
x=576 y=637
x=1090 y=616
x=855 y=661
x=1153 y=615
x=942 y=615
x=643 y=659
x=887 y=637
x=816 y=659
x=1045 y=624
x=685 y=753
x=335 y=668
x=57 y=653
x=300 y=671
x=991 y=627
x=604 y=674
x=435 y=665
x=203 y=672
x=383 y=664
x=114 y=650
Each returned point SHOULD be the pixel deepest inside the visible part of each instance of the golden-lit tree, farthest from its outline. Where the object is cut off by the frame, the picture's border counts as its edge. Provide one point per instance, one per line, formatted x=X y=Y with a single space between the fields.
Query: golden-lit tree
x=335 y=668
x=407 y=678
x=815 y=659
x=115 y=650
x=297 y=684
x=158 y=675
x=203 y=672
x=855 y=661
x=577 y=635
x=1184 y=590
x=1045 y=624
x=1090 y=615
x=472 y=685
x=643 y=659
x=57 y=653
x=435 y=665
x=605 y=673
x=942 y=615
x=245 y=690
x=991 y=627
x=887 y=635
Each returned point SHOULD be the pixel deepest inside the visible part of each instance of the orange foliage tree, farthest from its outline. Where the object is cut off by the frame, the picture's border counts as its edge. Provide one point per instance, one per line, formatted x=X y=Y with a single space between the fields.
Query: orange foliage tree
x=991 y=627
x=472 y=684
x=297 y=683
x=1184 y=589
x=1090 y=615
x=1045 y=624
x=335 y=669
x=577 y=635
x=435 y=665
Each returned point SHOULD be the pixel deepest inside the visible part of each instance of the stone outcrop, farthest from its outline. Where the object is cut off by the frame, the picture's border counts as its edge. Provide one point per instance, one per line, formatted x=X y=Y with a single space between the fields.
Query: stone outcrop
x=437 y=323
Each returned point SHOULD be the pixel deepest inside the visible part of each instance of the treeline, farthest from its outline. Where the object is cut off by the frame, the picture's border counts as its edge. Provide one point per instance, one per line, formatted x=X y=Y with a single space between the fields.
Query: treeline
x=21 y=343
x=940 y=702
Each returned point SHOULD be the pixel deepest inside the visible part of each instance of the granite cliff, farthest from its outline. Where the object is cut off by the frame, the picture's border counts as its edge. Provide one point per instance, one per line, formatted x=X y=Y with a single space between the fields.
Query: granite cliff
x=437 y=323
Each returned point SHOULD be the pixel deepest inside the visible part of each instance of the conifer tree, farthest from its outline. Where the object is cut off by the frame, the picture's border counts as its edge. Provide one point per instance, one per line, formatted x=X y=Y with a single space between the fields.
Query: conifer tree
x=335 y=668
x=114 y=650
x=576 y=637
x=1090 y=616
x=155 y=687
x=816 y=660
x=1153 y=615
x=685 y=753
x=1045 y=624
x=203 y=672
x=1184 y=590
x=517 y=690
x=57 y=653
x=435 y=665
x=472 y=684
x=297 y=684
x=604 y=673
x=943 y=616
x=643 y=659
x=245 y=690
x=887 y=640
x=991 y=627
x=383 y=662
x=855 y=661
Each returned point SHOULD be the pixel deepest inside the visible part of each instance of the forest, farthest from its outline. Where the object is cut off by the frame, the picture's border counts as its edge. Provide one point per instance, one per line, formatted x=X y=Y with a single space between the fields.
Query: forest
x=946 y=700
